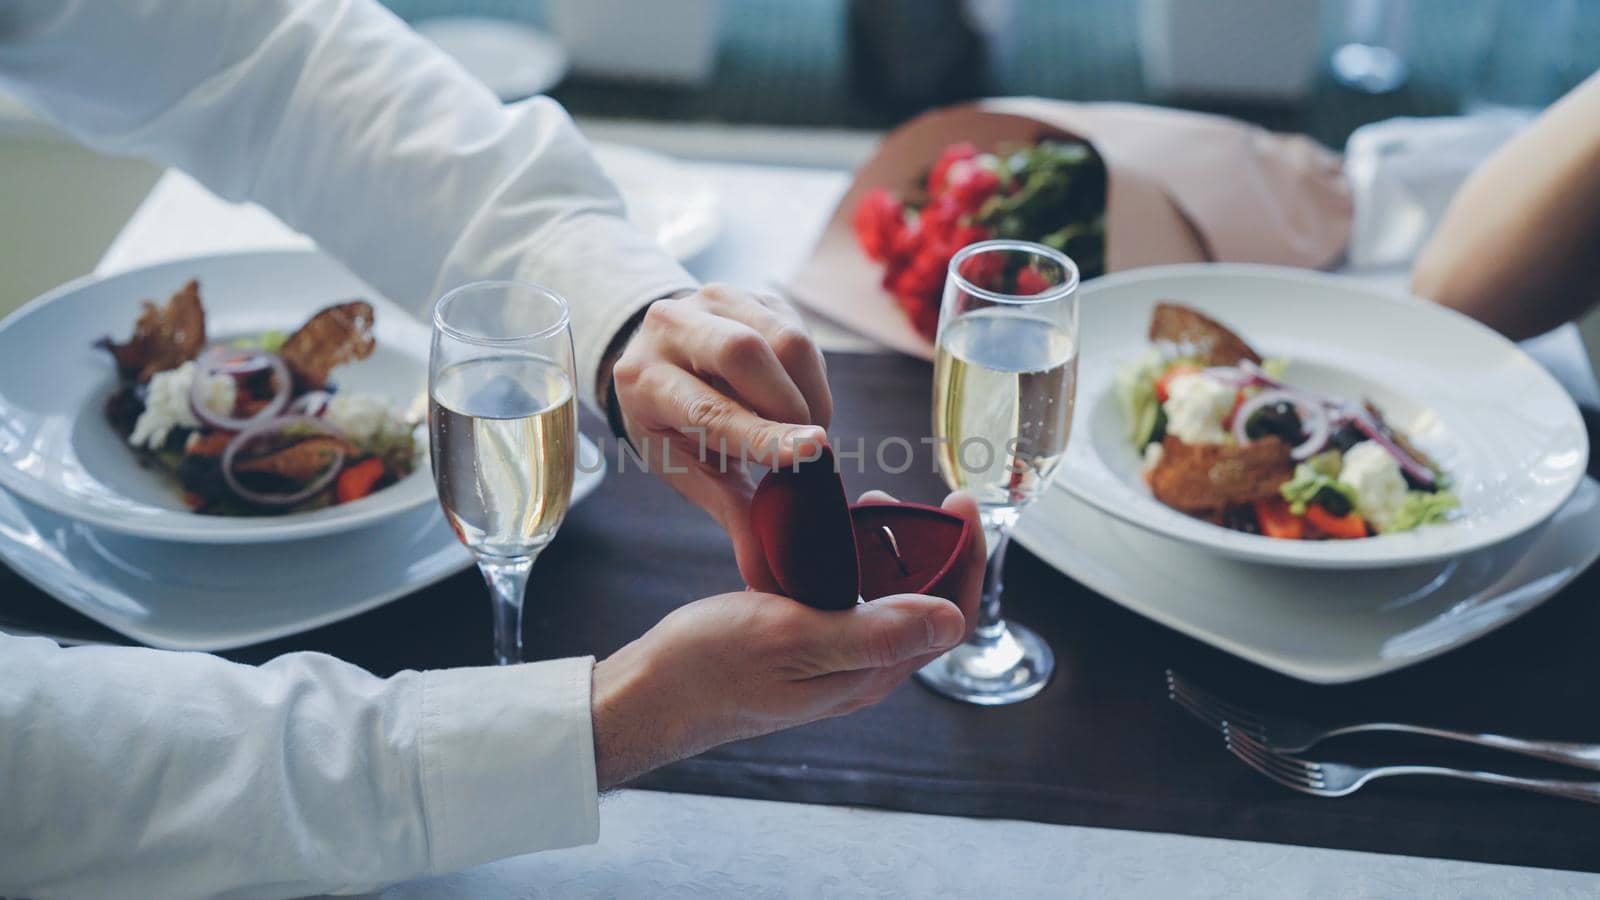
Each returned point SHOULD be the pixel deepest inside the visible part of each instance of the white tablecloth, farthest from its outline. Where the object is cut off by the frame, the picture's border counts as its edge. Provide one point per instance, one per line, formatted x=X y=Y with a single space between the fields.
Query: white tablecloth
x=675 y=845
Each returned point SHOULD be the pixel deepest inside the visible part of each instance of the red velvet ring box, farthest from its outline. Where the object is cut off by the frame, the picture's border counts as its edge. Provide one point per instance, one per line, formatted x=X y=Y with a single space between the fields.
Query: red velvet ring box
x=826 y=553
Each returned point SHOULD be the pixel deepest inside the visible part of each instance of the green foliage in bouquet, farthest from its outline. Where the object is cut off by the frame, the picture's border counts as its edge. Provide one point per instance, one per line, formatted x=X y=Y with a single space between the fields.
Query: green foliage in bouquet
x=1052 y=192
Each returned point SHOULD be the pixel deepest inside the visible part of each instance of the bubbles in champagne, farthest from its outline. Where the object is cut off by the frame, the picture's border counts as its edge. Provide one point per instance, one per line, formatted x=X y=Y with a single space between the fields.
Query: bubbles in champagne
x=1004 y=387
x=504 y=438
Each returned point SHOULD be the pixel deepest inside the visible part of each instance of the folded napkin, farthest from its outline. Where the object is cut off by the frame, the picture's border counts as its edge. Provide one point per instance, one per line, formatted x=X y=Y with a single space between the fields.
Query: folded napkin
x=1182 y=187
x=1403 y=173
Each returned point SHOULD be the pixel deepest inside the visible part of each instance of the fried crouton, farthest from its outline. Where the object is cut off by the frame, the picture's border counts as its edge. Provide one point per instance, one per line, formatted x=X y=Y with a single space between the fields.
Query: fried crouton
x=301 y=461
x=164 y=337
x=339 y=334
x=1205 y=479
x=1198 y=335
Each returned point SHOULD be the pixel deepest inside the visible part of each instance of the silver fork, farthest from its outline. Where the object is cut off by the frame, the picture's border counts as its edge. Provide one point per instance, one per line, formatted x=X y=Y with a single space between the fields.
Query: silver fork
x=1328 y=779
x=1287 y=734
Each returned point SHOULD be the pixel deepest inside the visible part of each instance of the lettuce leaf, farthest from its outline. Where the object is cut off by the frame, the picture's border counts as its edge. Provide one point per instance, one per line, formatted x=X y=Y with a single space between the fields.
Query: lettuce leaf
x=270 y=341
x=1135 y=386
x=1424 y=508
x=1312 y=477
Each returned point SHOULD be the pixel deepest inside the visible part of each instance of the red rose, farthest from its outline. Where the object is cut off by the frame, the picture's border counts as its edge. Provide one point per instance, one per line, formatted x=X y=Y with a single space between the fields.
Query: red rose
x=916 y=284
x=1030 y=282
x=967 y=234
x=952 y=154
x=905 y=242
x=924 y=317
x=878 y=219
x=983 y=271
x=915 y=247
x=941 y=217
x=970 y=184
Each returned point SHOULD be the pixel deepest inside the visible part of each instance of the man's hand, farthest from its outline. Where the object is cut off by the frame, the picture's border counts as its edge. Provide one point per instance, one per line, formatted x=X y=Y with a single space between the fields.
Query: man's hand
x=720 y=373
x=744 y=664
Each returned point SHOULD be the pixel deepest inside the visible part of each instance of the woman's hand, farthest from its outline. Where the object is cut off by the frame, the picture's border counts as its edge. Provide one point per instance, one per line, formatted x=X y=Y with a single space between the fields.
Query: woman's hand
x=716 y=378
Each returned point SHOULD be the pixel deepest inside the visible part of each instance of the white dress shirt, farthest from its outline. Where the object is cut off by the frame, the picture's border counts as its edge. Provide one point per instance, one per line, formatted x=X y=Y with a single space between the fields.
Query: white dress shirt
x=142 y=773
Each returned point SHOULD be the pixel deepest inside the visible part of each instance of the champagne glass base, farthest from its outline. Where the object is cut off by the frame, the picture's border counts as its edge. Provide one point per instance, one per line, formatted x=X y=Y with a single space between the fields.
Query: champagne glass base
x=1009 y=665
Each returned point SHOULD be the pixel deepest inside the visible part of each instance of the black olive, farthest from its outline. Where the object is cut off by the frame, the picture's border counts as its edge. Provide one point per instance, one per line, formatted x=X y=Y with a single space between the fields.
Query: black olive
x=1241 y=517
x=1335 y=503
x=123 y=409
x=1278 y=418
x=1345 y=437
x=257 y=384
x=202 y=475
x=1419 y=485
x=177 y=438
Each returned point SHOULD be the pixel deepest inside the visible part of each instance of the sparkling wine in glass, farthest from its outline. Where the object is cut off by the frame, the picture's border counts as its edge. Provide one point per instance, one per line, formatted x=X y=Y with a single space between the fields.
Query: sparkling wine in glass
x=1005 y=378
x=503 y=431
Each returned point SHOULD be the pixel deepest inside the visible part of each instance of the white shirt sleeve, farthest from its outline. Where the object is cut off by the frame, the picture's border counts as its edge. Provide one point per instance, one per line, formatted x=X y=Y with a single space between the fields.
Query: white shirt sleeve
x=132 y=772
x=352 y=129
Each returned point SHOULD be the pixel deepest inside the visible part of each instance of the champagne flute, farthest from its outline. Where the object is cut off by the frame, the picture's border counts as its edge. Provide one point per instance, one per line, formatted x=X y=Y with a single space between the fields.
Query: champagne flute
x=1005 y=378
x=503 y=431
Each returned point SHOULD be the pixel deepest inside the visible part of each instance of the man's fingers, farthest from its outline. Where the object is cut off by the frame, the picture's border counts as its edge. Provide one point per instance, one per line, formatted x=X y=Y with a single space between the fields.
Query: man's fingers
x=841 y=693
x=884 y=633
x=740 y=356
x=876 y=498
x=684 y=403
x=784 y=332
x=734 y=517
x=974 y=559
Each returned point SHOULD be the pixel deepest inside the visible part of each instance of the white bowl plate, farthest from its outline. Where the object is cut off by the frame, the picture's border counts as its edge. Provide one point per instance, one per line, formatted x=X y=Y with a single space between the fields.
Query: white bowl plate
x=1507 y=433
x=1305 y=624
x=58 y=451
x=215 y=597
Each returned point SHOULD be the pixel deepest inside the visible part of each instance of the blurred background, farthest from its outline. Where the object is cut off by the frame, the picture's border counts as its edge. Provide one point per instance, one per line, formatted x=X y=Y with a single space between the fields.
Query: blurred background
x=814 y=82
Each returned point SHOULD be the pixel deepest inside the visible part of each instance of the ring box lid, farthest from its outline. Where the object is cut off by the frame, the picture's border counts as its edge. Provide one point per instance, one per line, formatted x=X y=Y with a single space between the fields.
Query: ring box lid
x=826 y=553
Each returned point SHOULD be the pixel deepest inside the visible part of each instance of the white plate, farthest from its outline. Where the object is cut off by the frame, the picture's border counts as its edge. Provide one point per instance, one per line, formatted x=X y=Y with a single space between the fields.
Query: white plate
x=672 y=202
x=193 y=597
x=1304 y=624
x=58 y=451
x=1507 y=433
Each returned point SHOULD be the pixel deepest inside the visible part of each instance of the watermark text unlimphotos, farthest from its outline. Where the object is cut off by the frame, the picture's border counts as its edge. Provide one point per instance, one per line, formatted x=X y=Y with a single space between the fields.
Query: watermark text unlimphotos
x=675 y=454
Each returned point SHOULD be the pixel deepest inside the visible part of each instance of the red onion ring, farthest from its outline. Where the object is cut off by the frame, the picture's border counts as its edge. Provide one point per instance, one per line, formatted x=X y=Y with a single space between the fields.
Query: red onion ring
x=1368 y=426
x=311 y=489
x=1313 y=419
x=237 y=362
x=311 y=403
x=1318 y=430
x=282 y=385
x=1233 y=376
x=1328 y=413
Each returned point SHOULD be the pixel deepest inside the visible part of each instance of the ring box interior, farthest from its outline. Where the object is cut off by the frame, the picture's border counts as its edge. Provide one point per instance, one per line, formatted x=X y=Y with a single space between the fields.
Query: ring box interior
x=827 y=553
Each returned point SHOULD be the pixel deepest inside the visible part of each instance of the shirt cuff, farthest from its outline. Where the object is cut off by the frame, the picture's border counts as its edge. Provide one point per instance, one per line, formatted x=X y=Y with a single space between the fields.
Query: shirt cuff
x=507 y=761
x=609 y=272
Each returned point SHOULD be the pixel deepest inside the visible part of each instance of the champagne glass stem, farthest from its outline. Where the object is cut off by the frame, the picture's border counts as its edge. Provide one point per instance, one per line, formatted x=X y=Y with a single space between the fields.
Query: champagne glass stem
x=997 y=524
x=989 y=622
x=507 y=578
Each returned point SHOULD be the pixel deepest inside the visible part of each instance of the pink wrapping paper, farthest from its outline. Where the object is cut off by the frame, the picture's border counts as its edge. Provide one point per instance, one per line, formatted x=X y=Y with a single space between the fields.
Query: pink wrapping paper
x=1181 y=187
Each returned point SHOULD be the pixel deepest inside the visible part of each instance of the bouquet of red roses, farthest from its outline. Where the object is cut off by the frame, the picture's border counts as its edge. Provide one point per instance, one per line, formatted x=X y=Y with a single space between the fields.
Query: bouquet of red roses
x=1052 y=192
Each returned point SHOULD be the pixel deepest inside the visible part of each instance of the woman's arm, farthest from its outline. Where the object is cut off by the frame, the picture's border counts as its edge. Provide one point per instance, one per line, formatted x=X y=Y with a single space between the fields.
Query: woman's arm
x=351 y=128
x=1519 y=247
